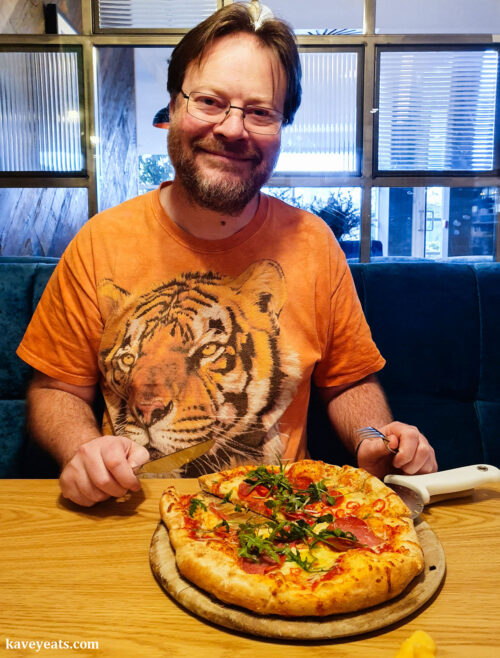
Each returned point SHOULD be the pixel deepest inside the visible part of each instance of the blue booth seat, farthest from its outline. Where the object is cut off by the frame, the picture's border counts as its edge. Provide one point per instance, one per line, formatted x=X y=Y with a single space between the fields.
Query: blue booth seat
x=437 y=324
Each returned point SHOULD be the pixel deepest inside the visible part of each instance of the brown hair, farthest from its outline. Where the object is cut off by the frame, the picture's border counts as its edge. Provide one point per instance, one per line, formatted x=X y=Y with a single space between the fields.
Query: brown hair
x=273 y=33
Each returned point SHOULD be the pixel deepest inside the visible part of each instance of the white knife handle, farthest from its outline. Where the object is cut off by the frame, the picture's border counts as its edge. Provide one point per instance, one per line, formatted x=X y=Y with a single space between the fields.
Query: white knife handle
x=444 y=482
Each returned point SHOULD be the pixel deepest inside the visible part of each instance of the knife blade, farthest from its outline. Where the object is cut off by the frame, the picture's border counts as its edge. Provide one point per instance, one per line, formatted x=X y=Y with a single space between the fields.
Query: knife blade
x=175 y=459
x=416 y=490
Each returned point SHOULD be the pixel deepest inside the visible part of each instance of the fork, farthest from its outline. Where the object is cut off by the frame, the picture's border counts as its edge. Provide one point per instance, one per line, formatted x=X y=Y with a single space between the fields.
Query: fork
x=372 y=433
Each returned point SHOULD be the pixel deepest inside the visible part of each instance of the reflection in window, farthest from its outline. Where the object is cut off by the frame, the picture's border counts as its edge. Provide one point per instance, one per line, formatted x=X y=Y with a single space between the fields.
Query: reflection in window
x=40 y=221
x=436 y=110
x=435 y=222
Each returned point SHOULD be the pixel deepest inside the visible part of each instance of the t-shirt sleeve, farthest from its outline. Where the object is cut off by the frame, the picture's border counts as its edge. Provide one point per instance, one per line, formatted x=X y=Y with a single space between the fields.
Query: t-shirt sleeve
x=350 y=353
x=63 y=337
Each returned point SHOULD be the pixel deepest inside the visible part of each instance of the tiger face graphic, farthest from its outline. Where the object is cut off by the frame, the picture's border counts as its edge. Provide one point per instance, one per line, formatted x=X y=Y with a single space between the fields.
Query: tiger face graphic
x=200 y=357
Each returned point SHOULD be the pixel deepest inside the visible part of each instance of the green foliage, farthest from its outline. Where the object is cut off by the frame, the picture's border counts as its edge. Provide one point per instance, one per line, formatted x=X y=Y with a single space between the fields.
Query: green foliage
x=153 y=170
x=338 y=211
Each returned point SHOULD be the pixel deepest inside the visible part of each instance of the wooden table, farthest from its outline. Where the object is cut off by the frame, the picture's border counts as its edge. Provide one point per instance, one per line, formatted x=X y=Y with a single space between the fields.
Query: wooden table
x=74 y=575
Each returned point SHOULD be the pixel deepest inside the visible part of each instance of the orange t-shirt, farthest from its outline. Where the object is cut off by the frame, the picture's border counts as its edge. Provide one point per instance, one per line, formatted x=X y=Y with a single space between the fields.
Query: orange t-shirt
x=192 y=339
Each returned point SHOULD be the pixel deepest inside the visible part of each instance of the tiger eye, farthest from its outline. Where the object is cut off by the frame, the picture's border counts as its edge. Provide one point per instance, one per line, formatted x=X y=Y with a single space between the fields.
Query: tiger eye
x=128 y=359
x=209 y=349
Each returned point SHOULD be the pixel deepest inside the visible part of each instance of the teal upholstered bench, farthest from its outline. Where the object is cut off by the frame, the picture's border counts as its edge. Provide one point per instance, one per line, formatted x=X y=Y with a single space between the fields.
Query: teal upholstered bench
x=437 y=324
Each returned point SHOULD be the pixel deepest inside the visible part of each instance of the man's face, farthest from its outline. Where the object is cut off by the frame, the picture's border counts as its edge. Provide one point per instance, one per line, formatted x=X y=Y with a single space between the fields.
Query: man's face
x=222 y=166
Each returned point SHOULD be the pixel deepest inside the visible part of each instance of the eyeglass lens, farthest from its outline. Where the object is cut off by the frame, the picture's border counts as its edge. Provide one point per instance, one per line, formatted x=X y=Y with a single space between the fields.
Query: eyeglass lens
x=214 y=109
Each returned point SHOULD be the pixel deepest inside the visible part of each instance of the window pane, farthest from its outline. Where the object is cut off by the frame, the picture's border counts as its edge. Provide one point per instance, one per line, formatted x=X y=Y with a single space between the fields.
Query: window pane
x=321 y=16
x=437 y=110
x=435 y=222
x=27 y=16
x=431 y=17
x=40 y=221
x=129 y=14
x=40 y=126
x=339 y=207
x=117 y=177
x=323 y=137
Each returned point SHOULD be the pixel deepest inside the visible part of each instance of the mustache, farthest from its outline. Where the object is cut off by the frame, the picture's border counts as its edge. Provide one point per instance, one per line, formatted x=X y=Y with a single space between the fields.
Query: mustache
x=227 y=148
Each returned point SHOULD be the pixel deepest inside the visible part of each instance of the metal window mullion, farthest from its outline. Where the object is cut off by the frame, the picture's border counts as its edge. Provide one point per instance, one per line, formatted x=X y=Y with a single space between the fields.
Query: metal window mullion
x=90 y=110
x=367 y=150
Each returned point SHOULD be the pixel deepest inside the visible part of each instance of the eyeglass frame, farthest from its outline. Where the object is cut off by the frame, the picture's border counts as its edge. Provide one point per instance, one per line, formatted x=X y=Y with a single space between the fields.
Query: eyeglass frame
x=234 y=107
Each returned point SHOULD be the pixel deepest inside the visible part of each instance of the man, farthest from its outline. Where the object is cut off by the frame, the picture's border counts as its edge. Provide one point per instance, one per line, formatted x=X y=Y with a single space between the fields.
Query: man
x=204 y=308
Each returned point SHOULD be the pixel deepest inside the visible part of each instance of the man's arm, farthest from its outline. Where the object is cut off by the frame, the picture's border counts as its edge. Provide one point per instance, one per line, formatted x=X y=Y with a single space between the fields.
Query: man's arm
x=94 y=467
x=364 y=404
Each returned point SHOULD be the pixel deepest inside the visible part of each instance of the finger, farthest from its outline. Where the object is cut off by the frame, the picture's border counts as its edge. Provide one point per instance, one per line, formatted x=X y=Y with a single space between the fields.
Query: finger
x=75 y=486
x=409 y=441
x=430 y=464
x=115 y=460
x=137 y=456
x=99 y=480
x=419 y=459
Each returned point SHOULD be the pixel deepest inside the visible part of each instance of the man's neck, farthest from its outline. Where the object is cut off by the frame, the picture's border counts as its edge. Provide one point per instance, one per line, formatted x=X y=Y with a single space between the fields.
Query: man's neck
x=200 y=222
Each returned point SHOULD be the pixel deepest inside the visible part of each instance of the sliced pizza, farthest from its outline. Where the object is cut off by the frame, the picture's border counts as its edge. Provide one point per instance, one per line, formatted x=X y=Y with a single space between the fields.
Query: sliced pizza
x=273 y=555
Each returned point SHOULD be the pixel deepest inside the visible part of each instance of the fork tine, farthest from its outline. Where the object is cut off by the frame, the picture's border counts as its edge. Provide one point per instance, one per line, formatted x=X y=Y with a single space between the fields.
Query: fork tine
x=372 y=433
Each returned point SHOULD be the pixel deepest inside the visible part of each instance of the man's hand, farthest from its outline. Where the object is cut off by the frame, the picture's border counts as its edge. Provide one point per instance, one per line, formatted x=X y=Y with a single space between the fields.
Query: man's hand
x=101 y=468
x=415 y=455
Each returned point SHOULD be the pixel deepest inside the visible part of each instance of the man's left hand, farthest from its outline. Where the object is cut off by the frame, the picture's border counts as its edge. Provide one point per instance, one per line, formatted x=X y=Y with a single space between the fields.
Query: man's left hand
x=415 y=455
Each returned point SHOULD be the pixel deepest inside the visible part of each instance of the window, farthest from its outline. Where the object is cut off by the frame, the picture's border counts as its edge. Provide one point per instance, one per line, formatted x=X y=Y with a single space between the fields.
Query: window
x=437 y=109
x=147 y=14
x=435 y=222
x=326 y=133
x=40 y=110
x=340 y=208
x=443 y=16
x=40 y=221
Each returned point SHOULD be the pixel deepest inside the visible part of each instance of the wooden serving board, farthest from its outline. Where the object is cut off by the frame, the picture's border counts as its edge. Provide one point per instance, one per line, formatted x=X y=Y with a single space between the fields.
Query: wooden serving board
x=418 y=592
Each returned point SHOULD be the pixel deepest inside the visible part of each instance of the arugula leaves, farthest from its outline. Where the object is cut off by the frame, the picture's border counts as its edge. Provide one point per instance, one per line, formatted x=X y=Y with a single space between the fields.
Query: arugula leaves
x=253 y=546
x=194 y=505
x=284 y=498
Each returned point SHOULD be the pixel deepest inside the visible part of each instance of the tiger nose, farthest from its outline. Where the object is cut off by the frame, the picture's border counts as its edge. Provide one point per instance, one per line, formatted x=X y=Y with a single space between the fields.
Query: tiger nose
x=153 y=411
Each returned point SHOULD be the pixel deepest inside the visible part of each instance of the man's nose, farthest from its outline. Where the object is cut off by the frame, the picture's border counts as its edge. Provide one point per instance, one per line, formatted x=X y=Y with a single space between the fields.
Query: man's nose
x=232 y=126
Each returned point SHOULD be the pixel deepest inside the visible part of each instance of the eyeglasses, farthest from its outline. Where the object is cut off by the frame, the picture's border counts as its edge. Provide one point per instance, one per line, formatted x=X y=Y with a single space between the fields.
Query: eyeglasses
x=214 y=109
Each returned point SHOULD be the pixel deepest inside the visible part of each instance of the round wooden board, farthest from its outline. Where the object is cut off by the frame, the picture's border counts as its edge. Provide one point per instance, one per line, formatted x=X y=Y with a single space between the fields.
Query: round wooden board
x=418 y=592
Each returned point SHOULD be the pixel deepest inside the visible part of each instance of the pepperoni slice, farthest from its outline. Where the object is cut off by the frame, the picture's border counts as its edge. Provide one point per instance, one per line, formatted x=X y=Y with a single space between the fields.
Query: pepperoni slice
x=359 y=529
x=264 y=566
x=244 y=490
x=300 y=481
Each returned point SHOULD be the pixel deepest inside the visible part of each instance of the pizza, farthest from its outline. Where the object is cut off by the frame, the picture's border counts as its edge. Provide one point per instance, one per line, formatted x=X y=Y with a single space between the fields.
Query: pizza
x=306 y=539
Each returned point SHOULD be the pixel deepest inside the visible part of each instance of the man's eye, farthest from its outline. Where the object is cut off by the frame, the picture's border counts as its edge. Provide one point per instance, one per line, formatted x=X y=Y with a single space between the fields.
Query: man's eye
x=258 y=112
x=210 y=102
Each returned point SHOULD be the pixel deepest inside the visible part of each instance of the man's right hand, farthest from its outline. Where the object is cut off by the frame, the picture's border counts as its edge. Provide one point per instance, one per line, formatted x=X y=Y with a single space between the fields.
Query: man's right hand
x=101 y=468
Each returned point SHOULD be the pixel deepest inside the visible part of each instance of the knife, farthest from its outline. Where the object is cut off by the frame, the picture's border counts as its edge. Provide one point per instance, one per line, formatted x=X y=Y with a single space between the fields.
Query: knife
x=175 y=459
x=416 y=490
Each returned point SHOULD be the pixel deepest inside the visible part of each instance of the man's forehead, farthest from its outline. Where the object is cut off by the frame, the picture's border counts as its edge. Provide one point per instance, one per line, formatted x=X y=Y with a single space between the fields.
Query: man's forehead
x=224 y=58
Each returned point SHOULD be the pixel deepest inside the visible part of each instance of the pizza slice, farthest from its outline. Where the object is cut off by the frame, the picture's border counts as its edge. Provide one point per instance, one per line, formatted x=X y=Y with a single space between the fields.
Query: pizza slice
x=305 y=490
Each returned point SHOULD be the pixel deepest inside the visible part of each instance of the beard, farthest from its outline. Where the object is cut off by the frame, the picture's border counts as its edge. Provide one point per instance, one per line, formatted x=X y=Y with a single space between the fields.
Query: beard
x=226 y=195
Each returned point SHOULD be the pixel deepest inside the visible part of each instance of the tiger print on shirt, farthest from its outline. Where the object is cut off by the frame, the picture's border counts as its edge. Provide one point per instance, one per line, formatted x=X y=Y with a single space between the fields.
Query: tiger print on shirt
x=200 y=357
